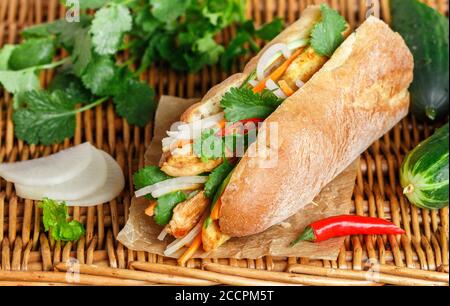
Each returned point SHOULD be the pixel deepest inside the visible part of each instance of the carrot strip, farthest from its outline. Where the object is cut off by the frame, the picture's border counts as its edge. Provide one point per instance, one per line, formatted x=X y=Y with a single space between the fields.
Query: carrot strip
x=278 y=72
x=150 y=210
x=288 y=91
x=215 y=211
x=191 y=250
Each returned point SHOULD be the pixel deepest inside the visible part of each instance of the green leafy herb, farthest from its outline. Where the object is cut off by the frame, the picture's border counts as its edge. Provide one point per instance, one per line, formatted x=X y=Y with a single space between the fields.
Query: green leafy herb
x=82 y=54
x=101 y=76
x=67 y=82
x=33 y=52
x=209 y=145
x=93 y=4
x=216 y=178
x=45 y=117
x=243 y=103
x=326 y=35
x=135 y=102
x=270 y=30
x=166 y=204
x=5 y=54
x=147 y=176
x=55 y=218
x=168 y=10
x=19 y=81
x=108 y=27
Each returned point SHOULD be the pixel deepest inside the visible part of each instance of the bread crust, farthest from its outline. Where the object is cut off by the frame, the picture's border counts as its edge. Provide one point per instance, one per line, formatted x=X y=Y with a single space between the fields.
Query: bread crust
x=358 y=95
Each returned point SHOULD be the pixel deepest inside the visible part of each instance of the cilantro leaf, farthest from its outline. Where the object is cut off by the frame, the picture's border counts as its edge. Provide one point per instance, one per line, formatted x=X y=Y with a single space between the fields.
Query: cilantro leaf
x=135 y=102
x=326 y=35
x=108 y=27
x=71 y=85
x=19 y=81
x=5 y=54
x=270 y=30
x=166 y=204
x=92 y=4
x=82 y=54
x=55 y=218
x=45 y=117
x=243 y=103
x=33 y=52
x=100 y=76
x=208 y=145
x=148 y=176
x=216 y=178
x=169 y=10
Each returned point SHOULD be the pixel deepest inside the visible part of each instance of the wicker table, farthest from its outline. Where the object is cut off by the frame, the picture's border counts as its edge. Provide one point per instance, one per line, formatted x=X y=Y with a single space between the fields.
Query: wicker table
x=28 y=252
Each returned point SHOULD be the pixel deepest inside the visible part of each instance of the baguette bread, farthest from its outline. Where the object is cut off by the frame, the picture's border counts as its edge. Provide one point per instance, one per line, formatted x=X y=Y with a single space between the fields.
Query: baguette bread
x=357 y=96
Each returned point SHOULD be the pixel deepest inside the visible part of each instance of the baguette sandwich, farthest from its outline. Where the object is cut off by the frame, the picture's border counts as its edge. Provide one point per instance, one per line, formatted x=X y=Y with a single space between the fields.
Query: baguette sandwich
x=302 y=110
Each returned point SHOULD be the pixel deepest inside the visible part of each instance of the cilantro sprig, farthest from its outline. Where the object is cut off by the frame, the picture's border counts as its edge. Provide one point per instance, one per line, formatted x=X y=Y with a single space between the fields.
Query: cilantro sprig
x=326 y=35
x=181 y=33
x=55 y=218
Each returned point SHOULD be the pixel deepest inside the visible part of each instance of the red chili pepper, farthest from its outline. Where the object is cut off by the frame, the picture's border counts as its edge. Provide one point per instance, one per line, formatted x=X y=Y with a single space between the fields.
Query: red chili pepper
x=347 y=225
x=229 y=130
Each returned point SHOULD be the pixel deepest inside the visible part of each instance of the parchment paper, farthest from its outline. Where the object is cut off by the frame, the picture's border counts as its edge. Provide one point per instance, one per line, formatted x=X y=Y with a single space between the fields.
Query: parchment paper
x=141 y=231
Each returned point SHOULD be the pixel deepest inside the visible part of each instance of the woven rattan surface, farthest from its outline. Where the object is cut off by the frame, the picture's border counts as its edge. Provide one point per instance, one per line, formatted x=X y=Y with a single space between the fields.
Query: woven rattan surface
x=25 y=247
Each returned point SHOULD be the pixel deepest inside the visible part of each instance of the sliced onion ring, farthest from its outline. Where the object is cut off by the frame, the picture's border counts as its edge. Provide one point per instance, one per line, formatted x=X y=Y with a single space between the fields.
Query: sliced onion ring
x=299 y=83
x=272 y=86
x=186 y=239
x=162 y=235
x=178 y=181
x=265 y=59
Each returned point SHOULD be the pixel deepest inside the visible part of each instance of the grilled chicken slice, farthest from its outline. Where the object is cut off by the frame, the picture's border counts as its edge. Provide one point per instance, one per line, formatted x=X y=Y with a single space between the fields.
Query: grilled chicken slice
x=212 y=238
x=187 y=214
x=304 y=67
x=188 y=165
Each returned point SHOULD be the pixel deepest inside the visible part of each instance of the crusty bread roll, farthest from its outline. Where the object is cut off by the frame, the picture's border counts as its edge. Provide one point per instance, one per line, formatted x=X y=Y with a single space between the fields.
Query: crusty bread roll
x=360 y=93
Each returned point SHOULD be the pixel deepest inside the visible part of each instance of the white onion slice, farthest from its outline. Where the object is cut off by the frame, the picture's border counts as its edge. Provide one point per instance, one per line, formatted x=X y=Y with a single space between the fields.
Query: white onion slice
x=299 y=83
x=113 y=186
x=253 y=82
x=181 y=242
x=171 y=183
x=49 y=170
x=270 y=53
x=86 y=182
x=168 y=189
x=272 y=86
x=162 y=235
x=193 y=130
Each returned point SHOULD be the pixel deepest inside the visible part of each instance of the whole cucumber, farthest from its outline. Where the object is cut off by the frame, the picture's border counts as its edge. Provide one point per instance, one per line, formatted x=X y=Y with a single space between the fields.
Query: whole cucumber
x=424 y=172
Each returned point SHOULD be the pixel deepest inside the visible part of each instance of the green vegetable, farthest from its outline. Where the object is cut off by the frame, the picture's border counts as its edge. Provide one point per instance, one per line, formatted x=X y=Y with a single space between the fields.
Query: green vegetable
x=216 y=178
x=326 y=35
x=243 y=103
x=5 y=54
x=168 y=10
x=147 y=176
x=45 y=117
x=165 y=206
x=208 y=145
x=33 y=52
x=135 y=102
x=19 y=81
x=67 y=82
x=82 y=53
x=108 y=27
x=426 y=34
x=218 y=194
x=101 y=76
x=55 y=218
x=424 y=172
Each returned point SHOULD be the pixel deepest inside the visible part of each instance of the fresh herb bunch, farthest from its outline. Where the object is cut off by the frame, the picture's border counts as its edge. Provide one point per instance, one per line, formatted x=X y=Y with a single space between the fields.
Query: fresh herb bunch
x=179 y=32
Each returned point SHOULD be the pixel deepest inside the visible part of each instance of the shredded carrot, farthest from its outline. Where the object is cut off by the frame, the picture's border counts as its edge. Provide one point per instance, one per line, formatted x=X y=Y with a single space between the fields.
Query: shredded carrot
x=191 y=250
x=215 y=211
x=221 y=124
x=150 y=210
x=278 y=72
x=288 y=91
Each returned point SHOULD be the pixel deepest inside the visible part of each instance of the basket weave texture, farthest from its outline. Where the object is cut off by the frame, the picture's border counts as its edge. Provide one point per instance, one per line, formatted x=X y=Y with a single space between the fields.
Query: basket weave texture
x=25 y=247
